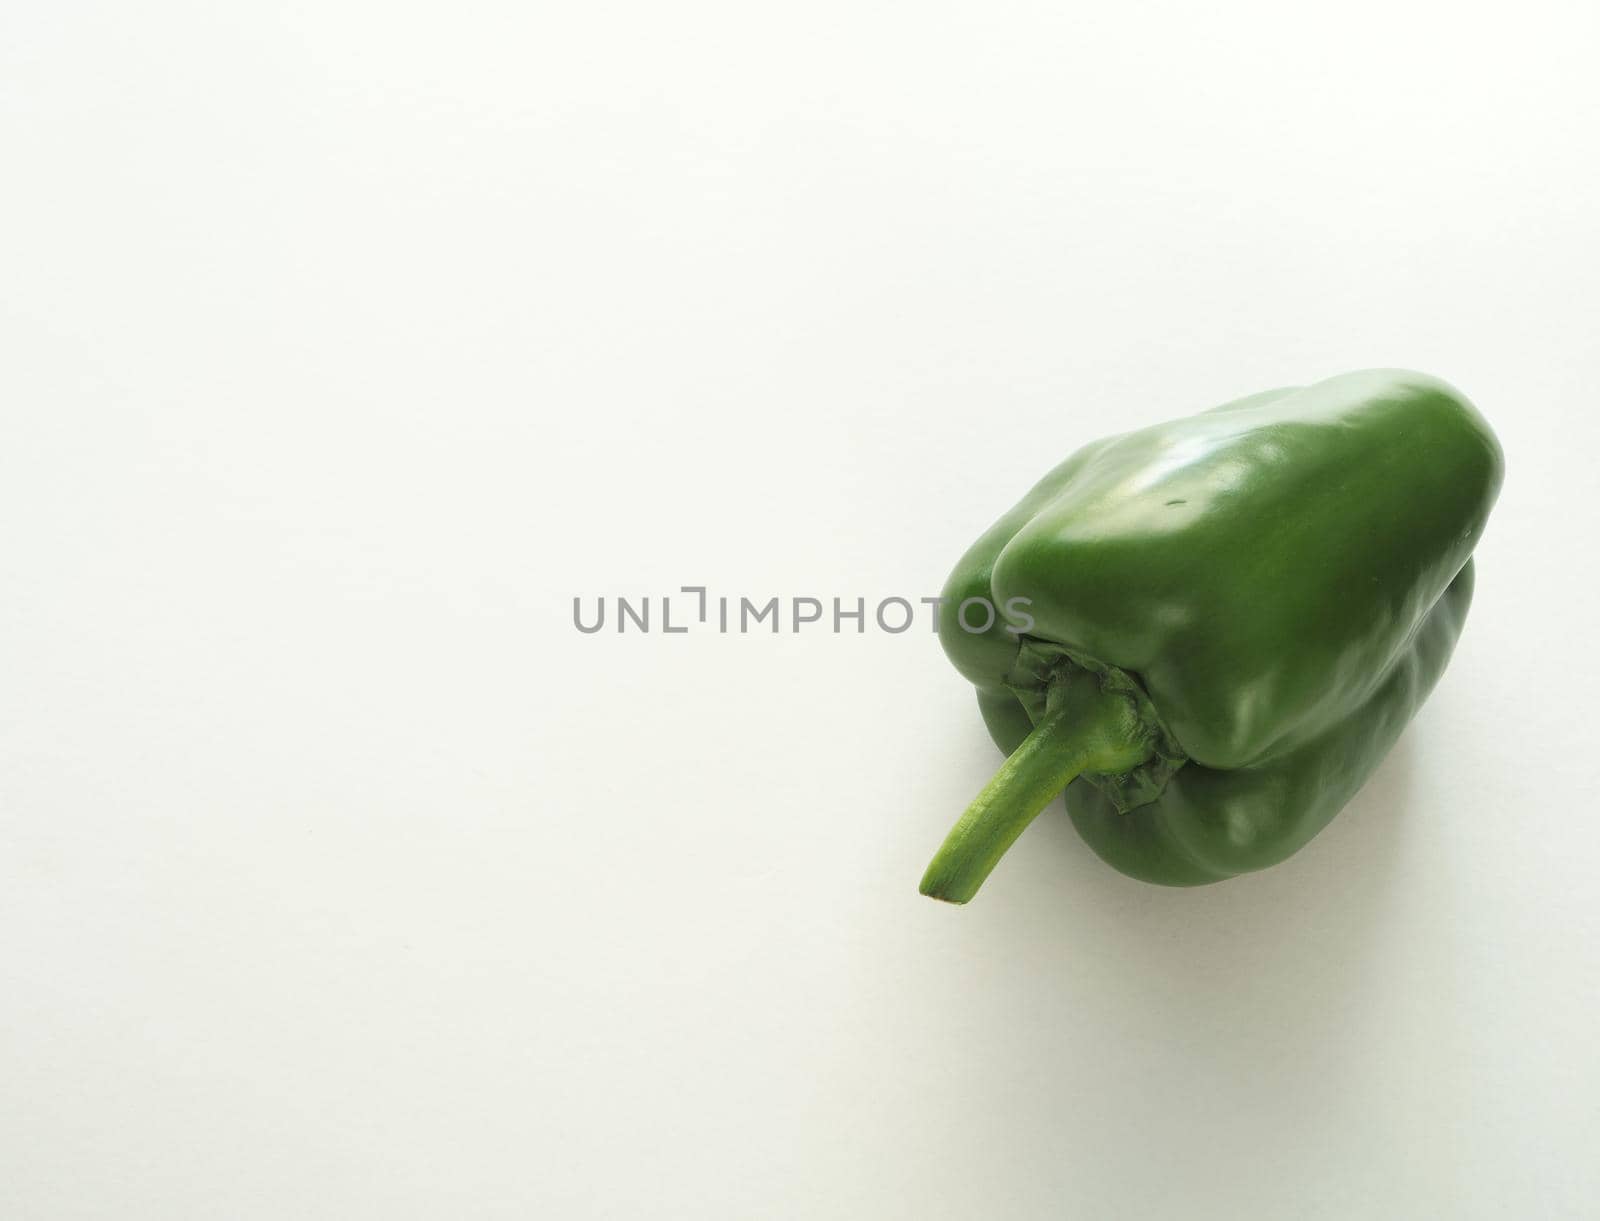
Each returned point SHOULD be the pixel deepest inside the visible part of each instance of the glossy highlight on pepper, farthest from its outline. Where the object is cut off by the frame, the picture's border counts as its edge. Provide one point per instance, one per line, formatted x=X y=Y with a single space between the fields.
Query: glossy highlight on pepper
x=1235 y=615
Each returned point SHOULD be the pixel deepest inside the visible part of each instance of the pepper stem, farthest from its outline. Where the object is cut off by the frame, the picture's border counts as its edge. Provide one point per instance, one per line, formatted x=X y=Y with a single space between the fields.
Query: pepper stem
x=1083 y=729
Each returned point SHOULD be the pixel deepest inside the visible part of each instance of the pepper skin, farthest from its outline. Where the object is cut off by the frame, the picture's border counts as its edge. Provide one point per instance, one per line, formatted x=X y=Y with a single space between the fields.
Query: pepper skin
x=1234 y=617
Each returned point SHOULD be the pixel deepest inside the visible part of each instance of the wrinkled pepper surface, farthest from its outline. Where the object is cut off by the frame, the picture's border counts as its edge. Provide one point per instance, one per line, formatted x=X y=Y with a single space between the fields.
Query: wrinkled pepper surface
x=1233 y=617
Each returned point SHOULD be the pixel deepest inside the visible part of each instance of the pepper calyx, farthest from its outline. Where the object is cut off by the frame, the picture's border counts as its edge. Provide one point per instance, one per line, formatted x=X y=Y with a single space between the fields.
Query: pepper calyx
x=1043 y=668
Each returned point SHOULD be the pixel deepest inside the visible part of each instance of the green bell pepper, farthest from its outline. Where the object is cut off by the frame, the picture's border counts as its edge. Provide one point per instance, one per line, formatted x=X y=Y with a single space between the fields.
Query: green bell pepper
x=1221 y=624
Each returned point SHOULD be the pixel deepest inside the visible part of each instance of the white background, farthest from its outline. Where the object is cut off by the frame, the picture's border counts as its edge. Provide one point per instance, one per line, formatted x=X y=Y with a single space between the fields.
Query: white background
x=343 y=344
